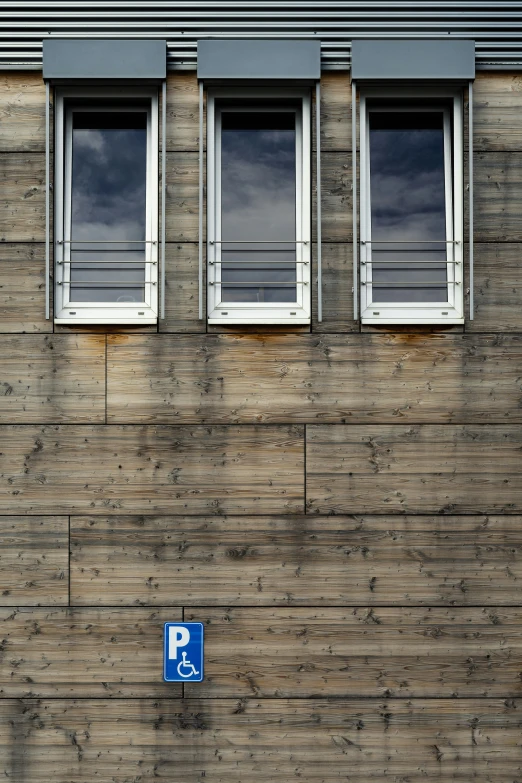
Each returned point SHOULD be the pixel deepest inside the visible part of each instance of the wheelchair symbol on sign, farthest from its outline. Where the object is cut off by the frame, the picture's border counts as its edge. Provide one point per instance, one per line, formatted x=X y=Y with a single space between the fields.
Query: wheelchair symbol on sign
x=184 y=664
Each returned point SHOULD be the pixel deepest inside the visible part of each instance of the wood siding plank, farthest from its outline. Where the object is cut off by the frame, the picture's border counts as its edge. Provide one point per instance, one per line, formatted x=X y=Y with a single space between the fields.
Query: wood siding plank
x=183 y=112
x=22 y=112
x=302 y=560
x=276 y=377
x=52 y=378
x=497 y=112
x=22 y=288
x=498 y=288
x=498 y=196
x=337 y=284
x=34 y=561
x=253 y=739
x=22 y=185
x=74 y=468
x=85 y=653
x=362 y=652
x=182 y=289
x=336 y=112
x=417 y=469
x=182 y=197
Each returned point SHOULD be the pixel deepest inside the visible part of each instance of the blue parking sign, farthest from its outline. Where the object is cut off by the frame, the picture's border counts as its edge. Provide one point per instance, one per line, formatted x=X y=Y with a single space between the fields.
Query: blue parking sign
x=183 y=652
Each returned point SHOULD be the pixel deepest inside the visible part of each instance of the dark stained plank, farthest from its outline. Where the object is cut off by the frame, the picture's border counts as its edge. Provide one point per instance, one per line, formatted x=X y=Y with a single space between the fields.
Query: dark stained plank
x=52 y=378
x=281 y=377
x=296 y=561
x=151 y=469
x=22 y=112
x=34 y=561
x=497 y=111
x=22 y=288
x=418 y=469
x=498 y=288
x=182 y=289
x=93 y=653
x=22 y=188
x=373 y=652
x=249 y=740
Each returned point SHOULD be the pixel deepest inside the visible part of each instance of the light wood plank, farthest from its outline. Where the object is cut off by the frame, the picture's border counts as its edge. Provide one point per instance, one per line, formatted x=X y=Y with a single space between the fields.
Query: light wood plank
x=183 y=112
x=72 y=468
x=22 y=288
x=182 y=289
x=337 y=283
x=498 y=288
x=22 y=184
x=336 y=112
x=182 y=197
x=498 y=196
x=22 y=112
x=52 y=378
x=34 y=561
x=372 y=652
x=336 y=197
x=416 y=469
x=282 y=378
x=252 y=740
x=322 y=561
x=497 y=111
x=93 y=653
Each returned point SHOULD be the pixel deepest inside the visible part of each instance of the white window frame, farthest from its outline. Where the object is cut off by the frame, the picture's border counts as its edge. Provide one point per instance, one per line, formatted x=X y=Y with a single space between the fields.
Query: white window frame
x=258 y=312
x=451 y=311
x=67 y=311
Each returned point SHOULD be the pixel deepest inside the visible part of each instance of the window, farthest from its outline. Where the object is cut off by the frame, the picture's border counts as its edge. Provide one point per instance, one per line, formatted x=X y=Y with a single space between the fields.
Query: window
x=411 y=209
x=259 y=247
x=106 y=214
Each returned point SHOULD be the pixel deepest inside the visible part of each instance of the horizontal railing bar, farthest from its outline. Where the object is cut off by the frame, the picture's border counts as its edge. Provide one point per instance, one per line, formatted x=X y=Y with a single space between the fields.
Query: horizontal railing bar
x=106 y=241
x=106 y=264
x=257 y=284
x=407 y=284
x=258 y=241
x=410 y=241
x=255 y=263
x=107 y=283
x=442 y=262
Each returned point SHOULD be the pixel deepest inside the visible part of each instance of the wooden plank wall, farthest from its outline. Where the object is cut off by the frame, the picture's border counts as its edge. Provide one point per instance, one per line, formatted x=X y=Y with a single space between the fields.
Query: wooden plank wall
x=341 y=507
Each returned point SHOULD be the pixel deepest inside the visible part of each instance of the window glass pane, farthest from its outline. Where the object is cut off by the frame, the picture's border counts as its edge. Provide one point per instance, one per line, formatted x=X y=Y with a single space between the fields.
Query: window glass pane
x=258 y=206
x=408 y=203
x=108 y=209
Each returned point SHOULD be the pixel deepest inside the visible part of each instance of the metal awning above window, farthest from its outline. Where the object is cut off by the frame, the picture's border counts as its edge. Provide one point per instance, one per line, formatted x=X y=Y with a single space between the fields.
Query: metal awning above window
x=67 y=59
x=267 y=60
x=413 y=60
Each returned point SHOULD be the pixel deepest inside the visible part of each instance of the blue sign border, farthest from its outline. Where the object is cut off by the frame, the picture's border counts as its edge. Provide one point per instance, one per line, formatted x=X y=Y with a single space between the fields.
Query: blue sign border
x=202 y=670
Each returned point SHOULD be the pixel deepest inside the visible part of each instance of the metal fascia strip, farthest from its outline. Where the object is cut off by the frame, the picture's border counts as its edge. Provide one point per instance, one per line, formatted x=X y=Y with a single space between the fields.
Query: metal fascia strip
x=200 y=216
x=47 y=205
x=163 y=191
x=354 y=197
x=318 y=197
x=470 y=170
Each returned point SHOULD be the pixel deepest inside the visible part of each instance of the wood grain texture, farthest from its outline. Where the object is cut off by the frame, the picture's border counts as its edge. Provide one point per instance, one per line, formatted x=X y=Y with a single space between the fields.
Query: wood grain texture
x=22 y=187
x=34 y=561
x=281 y=378
x=336 y=197
x=182 y=289
x=296 y=561
x=182 y=197
x=497 y=111
x=498 y=288
x=183 y=112
x=498 y=196
x=336 y=112
x=249 y=740
x=337 y=283
x=84 y=652
x=416 y=469
x=72 y=468
x=22 y=288
x=52 y=378
x=372 y=652
x=22 y=112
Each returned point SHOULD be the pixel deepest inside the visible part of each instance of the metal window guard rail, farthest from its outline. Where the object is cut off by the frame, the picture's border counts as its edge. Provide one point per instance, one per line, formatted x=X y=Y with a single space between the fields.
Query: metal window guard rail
x=258 y=283
x=408 y=283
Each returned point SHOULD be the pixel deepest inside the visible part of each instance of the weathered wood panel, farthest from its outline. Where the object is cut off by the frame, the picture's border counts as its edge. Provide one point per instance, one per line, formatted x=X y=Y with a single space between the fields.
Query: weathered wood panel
x=82 y=652
x=278 y=377
x=498 y=196
x=250 y=740
x=497 y=111
x=416 y=469
x=22 y=288
x=34 y=561
x=336 y=289
x=336 y=112
x=181 y=290
x=22 y=112
x=183 y=112
x=372 y=652
x=303 y=560
x=52 y=378
x=22 y=185
x=498 y=288
x=72 y=468
x=336 y=197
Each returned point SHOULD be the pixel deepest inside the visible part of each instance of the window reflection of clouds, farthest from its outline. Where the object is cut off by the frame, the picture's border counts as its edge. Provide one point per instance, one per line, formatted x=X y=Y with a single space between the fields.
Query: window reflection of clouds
x=108 y=203
x=408 y=202
x=258 y=201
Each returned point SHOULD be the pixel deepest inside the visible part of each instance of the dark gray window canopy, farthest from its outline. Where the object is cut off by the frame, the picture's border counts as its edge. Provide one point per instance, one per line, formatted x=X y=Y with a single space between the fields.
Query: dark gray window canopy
x=413 y=60
x=261 y=60
x=76 y=59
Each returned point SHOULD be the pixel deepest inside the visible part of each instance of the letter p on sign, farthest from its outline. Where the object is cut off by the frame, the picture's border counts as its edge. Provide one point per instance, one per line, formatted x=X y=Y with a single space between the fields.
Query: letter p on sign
x=183 y=652
x=178 y=637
